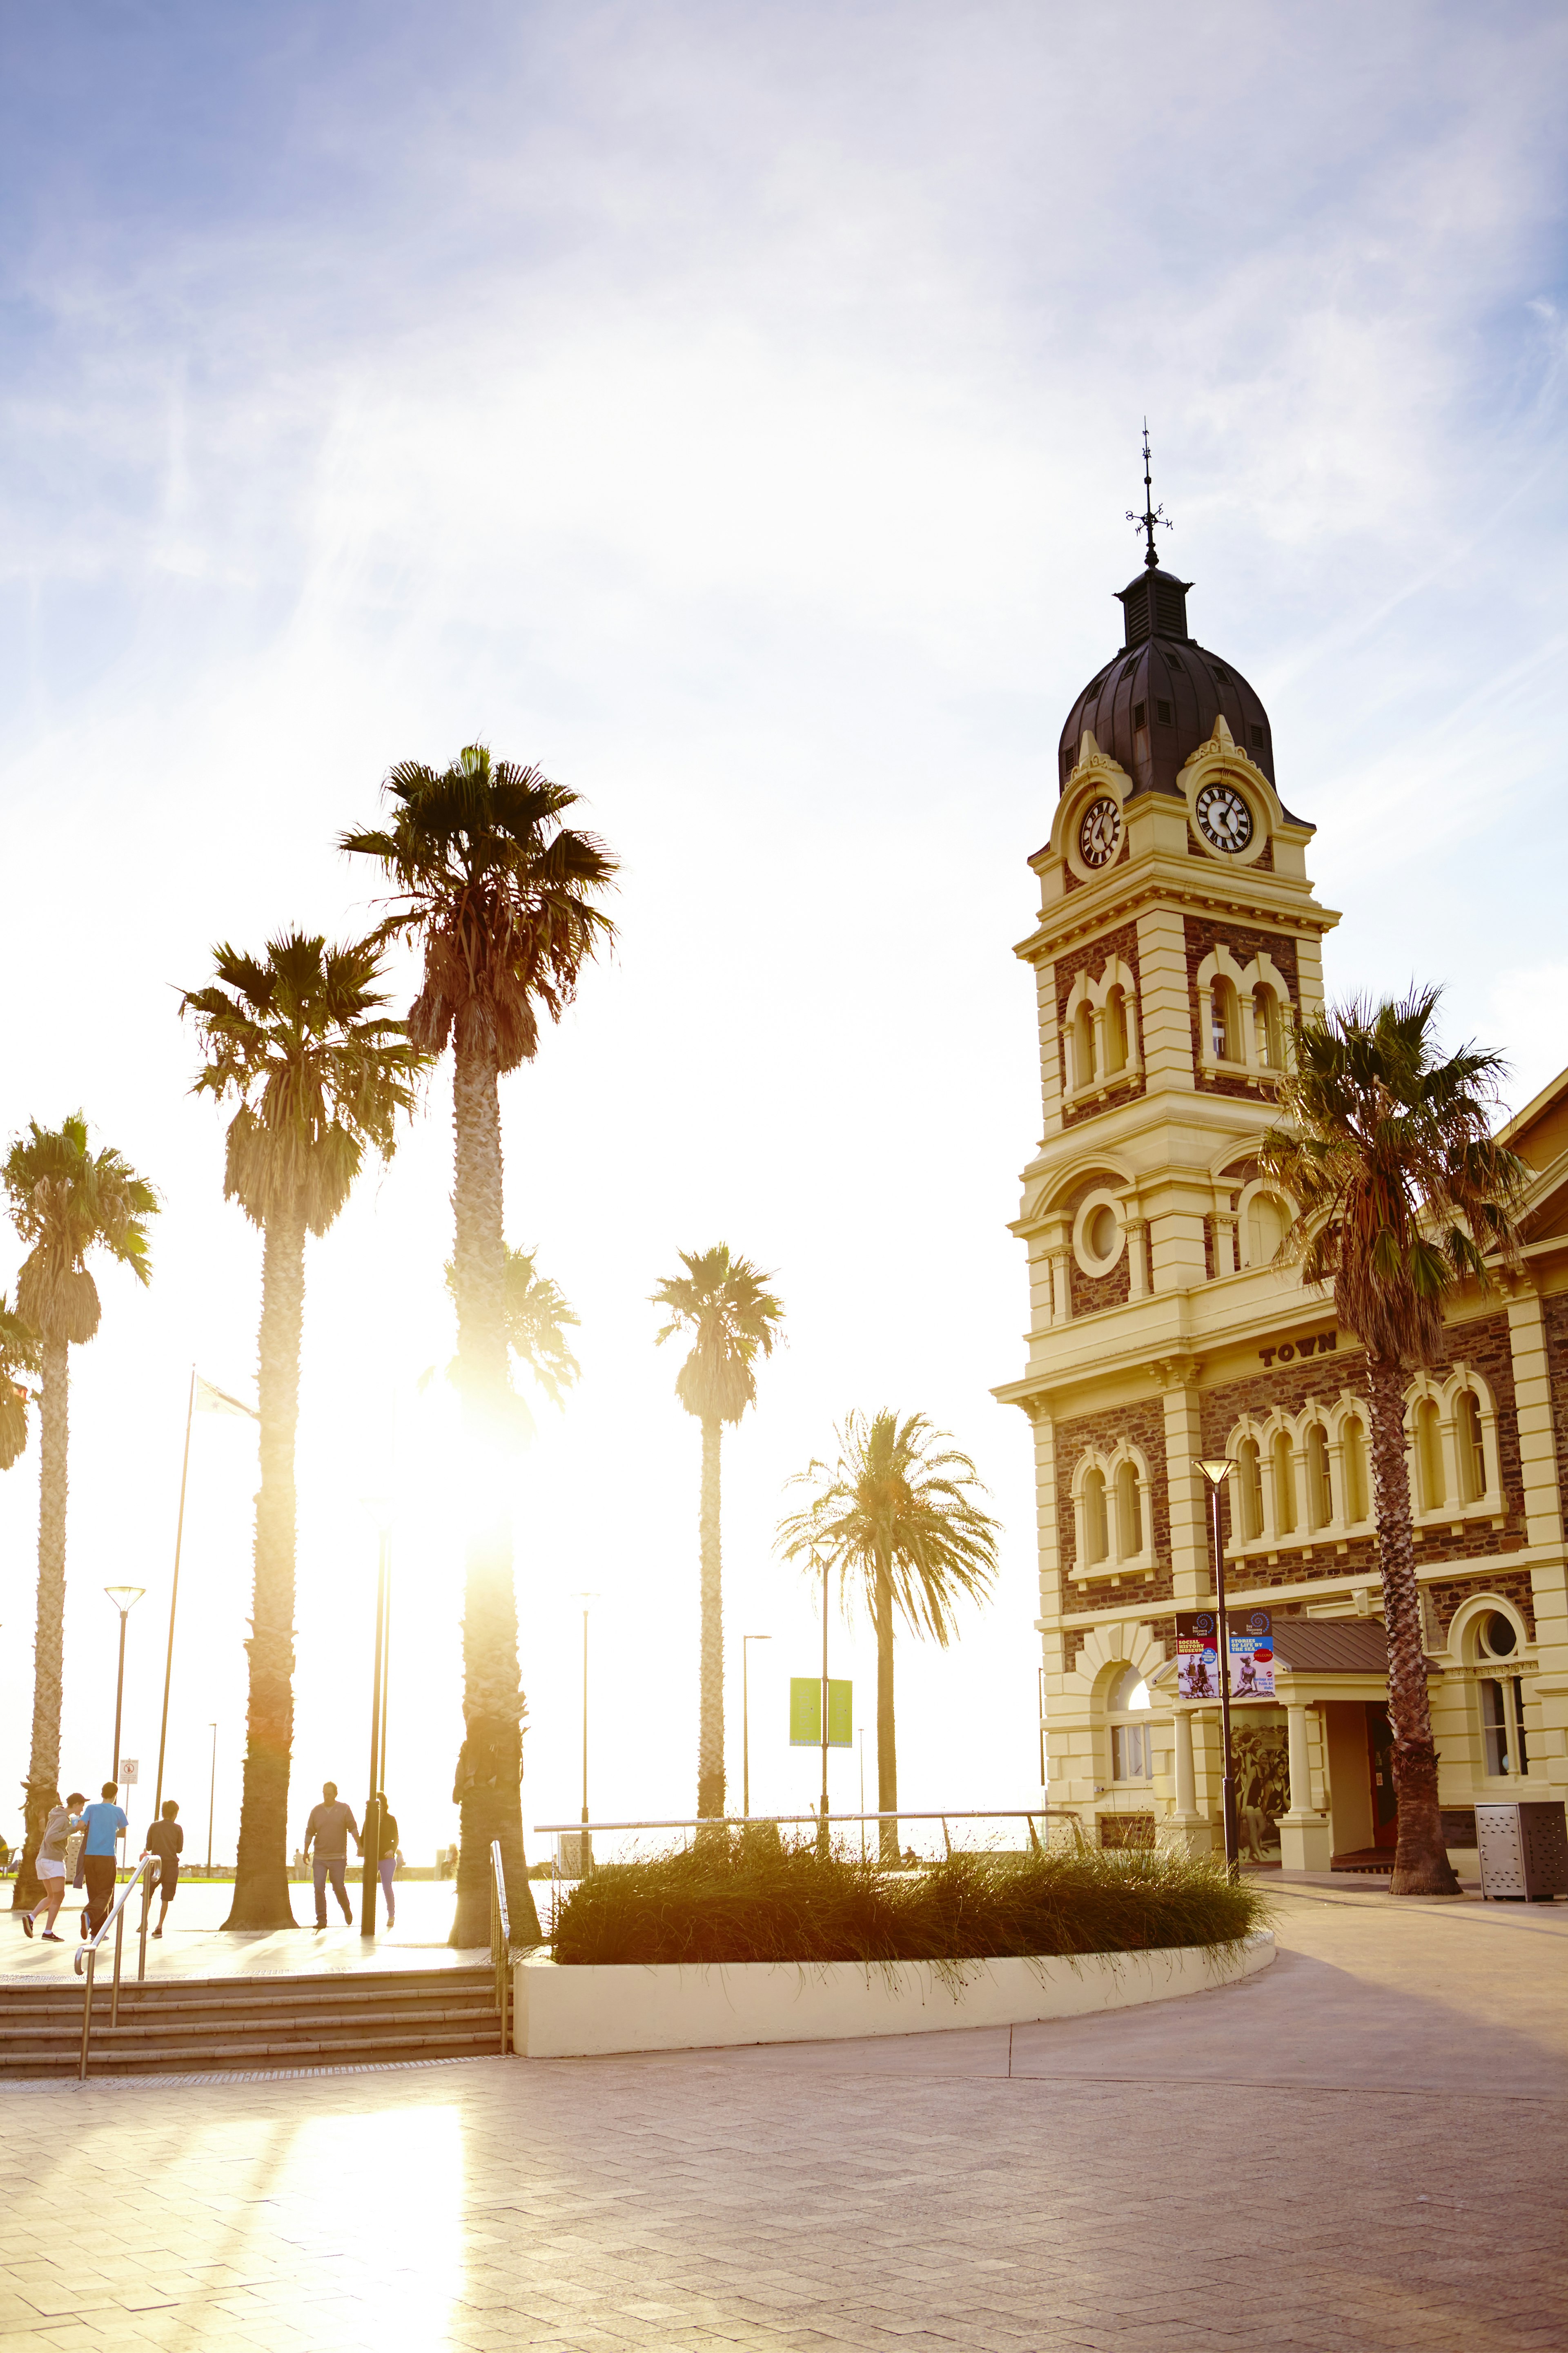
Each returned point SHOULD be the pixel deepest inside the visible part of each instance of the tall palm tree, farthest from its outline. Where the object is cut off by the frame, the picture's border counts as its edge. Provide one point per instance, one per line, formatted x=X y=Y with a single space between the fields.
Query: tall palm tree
x=19 y=1354
x=296 y=1037
x=1402 y=1193
x=66 y=1201
x=896 y=1514
x=499 y=894
x=733 y=1321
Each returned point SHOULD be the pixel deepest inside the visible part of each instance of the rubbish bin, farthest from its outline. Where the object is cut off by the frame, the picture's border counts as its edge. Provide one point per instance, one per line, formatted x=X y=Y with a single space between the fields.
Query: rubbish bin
x=1523 y=1850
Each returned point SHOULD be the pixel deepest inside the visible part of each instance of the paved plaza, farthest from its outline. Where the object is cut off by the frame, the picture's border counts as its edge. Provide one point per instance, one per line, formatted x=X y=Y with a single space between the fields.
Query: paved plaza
x=1362 y=2148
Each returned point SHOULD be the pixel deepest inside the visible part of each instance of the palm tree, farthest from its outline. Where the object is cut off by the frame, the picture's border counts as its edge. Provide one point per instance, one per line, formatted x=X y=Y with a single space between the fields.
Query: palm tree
x=537 y=1315
x=720 y=1301
x=296 y=1037
x=499 y=894
x=1403 y=1192
x=897 y=1511
x=66 y=1201
x=19 y=1354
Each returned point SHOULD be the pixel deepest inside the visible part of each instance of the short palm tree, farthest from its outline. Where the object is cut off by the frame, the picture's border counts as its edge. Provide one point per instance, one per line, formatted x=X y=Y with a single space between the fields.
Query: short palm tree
x=66 y=1201
x=19 y=1354
x=720 y=1304
x=296 y=1037
x=499 y=894
x=537 y=1315
x=896 y=1512
x=1402 y=1193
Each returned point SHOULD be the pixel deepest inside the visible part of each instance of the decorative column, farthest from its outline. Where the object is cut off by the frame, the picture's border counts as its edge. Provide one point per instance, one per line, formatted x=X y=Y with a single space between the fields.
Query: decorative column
x=1061 y=1286
x=1137 y=1228
x=1185 y=1827
x=1226 y=1259
x=1306 y=1836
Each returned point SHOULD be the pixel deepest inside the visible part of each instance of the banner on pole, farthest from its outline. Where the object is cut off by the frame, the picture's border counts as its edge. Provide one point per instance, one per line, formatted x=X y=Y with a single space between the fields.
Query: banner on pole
x=1197 y=1654
x=805 y=1712
x=210 y=1399
x=1252 y=1656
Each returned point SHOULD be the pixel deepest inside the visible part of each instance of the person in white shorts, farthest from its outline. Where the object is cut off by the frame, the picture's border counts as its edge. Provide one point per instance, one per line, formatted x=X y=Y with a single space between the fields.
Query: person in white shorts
x=50 y=1862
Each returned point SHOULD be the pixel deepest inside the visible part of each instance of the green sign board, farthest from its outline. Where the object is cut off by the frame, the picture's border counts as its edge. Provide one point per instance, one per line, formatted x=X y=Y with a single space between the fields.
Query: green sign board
x=805 y=1712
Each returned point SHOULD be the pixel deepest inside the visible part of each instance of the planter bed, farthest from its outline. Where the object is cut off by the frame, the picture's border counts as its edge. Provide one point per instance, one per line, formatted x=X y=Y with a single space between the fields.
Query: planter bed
x=579 y=2011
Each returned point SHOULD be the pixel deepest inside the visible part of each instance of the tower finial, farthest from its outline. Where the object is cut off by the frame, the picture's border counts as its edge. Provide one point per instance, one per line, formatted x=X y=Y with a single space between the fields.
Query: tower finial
x=1151 y=514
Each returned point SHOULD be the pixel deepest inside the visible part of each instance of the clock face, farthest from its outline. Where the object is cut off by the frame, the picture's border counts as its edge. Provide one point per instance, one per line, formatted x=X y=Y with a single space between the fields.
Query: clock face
x=1099 y=832
x=1225 y=817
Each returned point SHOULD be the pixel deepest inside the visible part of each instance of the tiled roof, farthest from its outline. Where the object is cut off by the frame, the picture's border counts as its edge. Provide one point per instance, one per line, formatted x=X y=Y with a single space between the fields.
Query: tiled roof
x=1332 y=1646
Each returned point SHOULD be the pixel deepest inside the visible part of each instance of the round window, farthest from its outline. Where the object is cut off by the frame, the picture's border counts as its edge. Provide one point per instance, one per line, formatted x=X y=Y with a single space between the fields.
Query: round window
x=1498 y=1635
x=1101 y=1233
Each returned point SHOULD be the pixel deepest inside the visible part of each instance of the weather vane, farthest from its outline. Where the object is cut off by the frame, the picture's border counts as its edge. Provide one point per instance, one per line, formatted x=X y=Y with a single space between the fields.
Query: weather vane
x=1151 y=514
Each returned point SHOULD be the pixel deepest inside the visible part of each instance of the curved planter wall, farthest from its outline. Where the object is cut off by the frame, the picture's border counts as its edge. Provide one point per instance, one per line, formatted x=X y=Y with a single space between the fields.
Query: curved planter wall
x=573 y=2013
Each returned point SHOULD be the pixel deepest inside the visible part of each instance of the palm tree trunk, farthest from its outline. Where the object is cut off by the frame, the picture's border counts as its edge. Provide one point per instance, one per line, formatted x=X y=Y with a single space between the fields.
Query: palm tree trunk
x=261 y=1867
x=48 y=1644
x=487 y=1789
x=1421 y=1865
x=711 y=1704
x=887 y=1748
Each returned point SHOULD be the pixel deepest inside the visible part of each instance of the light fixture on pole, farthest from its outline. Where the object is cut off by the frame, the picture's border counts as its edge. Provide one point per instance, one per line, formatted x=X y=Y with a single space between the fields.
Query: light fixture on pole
x=746 y=1724
x=124 y=1597
x=1216 y=1469
x=380 y=1511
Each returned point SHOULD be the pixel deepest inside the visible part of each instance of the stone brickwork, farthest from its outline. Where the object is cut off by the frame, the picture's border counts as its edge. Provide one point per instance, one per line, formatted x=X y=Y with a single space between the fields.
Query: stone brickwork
x=1450 y=1594
x=1092 y=958
x=1204 y=933
x=1143 y=1426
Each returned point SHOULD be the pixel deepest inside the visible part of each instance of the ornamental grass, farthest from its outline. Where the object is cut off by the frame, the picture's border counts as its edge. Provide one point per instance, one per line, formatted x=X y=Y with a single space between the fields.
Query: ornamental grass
x=735 y=1898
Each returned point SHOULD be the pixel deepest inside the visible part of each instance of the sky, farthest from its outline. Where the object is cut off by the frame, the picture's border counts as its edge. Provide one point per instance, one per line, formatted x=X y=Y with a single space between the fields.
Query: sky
x=734 y=410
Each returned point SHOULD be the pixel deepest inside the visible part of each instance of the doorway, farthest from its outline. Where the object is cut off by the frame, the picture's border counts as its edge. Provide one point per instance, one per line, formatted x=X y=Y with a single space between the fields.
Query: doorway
x=1380 y=1766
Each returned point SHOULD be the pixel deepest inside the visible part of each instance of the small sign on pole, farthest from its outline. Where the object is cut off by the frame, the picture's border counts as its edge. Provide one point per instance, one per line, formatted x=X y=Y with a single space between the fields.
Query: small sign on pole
x=128 y=1768
x=805 y=1712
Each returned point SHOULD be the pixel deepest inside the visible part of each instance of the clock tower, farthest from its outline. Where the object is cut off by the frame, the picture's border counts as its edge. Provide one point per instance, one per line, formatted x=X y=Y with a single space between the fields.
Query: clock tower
x=1177 y=940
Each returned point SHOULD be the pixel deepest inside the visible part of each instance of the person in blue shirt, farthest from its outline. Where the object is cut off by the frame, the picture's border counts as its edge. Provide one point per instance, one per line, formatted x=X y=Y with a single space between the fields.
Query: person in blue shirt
x=105 y=1825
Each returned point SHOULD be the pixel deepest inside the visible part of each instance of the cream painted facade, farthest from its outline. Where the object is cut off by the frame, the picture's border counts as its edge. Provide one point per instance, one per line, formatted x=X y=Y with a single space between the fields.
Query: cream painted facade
x=1178 y=934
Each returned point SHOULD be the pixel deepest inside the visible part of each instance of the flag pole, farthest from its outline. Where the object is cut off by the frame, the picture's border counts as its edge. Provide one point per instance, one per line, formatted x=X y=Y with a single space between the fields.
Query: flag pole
x=174 y=1599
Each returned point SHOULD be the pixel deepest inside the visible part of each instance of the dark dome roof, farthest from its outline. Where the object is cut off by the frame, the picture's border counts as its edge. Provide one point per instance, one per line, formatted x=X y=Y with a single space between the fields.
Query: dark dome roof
x=1153 y=706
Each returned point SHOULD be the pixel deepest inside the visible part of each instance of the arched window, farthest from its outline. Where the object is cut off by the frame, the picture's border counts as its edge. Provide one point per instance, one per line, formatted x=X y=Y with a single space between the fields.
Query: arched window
x=1116 y=1031
x=1320 y=1480
x=1083 y=1046
x=1283 y=1464
x=1131 y=1750
x=1353 y=1470
x=1096 y=1535
x=1470 y=1447
x=1128 y=1514
x=1249 y=1487
x=1223 y=1020
x=1429 y=1455
x=1267 y=1027
x=1267 y=1222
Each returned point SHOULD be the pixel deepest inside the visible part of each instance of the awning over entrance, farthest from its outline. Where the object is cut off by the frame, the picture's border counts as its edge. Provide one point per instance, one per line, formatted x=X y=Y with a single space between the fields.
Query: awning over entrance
x=1332 y=1646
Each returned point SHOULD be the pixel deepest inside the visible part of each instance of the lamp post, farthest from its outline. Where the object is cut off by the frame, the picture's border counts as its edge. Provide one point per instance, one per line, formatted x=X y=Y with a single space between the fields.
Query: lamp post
x=381 y=1512
x=746 y=1724
x=587 y=1596
x=212 y=1793
x=124 y=1597
x=1216 y=1469
x=822 y=1818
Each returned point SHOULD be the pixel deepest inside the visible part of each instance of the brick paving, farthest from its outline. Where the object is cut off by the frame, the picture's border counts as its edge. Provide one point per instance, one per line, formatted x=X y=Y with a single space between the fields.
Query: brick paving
x=1361 y=2150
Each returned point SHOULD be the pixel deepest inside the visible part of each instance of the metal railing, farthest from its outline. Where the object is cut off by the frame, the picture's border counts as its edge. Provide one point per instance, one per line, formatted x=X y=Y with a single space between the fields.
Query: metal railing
x=501 y=1943
x=1029 y=1814
x=114 y=1918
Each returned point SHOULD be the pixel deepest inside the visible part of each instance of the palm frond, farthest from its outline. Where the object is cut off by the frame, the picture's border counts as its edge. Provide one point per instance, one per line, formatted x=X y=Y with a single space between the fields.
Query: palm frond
x=66 y=1200
x=721 y=1303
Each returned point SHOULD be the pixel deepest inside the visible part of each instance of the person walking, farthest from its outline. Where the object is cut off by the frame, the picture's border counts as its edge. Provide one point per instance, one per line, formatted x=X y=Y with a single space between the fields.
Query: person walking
x=330 y=1828
x=386 y=1860
x=105 y=1825
x=166 y=1840
x=51 y=1862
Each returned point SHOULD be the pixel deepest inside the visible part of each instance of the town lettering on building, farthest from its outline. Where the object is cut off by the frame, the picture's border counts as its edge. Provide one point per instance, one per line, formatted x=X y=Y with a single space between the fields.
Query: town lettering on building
x=1316 y=1344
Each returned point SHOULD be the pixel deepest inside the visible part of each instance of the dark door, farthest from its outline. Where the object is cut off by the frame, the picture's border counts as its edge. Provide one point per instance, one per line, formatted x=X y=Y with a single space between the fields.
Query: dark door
x=1380 y=1764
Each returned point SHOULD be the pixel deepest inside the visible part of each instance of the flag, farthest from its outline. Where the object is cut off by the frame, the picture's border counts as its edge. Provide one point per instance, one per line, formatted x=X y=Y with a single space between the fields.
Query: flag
x=209 y=1399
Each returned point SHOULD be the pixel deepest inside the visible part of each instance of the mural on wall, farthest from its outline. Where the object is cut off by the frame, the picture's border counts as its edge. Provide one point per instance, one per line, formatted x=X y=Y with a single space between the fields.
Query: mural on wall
x=1262 y=1784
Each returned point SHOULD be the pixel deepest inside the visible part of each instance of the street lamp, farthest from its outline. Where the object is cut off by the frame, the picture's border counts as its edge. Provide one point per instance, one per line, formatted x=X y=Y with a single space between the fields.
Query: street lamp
x=380 y=1511
x=124 y=1597
x=746 y=1724
x=1216 y=1469
x=585 y=1846
x=212 y=1793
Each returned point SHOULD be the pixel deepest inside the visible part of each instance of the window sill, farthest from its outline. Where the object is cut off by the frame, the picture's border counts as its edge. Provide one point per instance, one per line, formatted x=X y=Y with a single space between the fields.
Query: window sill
x=1079 y=1098
x=1126 y=1572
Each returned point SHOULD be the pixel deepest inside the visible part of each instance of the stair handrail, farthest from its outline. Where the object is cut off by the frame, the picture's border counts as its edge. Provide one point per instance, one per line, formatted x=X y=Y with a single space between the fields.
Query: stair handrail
x=114 y=1919
x=500 y=1942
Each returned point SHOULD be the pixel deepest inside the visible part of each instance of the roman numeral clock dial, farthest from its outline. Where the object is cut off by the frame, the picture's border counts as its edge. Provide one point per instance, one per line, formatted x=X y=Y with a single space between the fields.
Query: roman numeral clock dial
x=1225 y=817
x=1099 y=832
